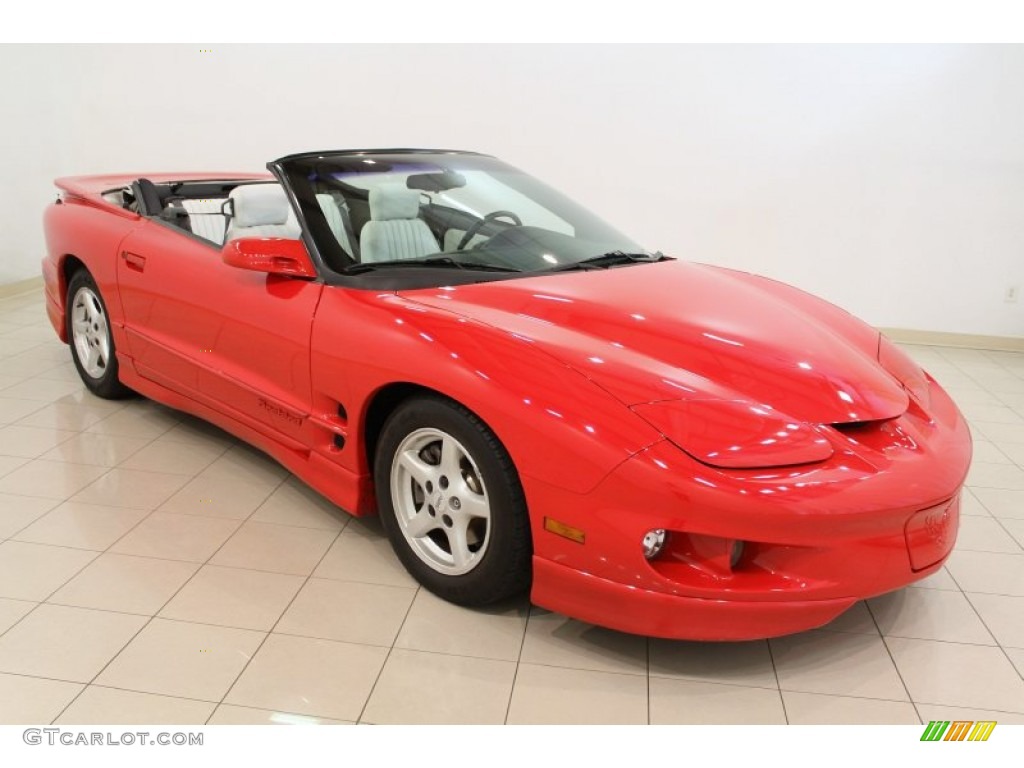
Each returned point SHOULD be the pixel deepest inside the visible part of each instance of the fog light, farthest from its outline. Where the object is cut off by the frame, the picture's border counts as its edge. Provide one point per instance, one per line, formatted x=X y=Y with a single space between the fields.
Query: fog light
x=653 y=542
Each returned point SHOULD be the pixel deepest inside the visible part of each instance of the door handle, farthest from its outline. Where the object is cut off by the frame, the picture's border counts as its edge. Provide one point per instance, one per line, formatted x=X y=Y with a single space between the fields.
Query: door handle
x=134 y=261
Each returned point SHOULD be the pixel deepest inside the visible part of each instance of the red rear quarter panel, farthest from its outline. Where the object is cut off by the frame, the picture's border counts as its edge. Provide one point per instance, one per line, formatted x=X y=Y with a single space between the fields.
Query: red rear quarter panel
x=89 y=232
x=89 y=228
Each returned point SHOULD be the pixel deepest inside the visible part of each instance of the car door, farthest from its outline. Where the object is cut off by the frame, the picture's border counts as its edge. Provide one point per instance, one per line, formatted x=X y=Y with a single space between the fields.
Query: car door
x=230 y=338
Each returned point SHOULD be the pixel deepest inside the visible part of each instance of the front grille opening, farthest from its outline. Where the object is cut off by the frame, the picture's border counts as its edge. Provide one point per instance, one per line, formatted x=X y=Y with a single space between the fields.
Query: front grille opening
x=878 y=434
x=854 y=427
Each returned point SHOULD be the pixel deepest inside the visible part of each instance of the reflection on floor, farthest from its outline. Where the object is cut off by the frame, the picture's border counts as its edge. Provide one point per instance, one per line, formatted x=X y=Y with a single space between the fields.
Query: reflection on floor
x=154 y=570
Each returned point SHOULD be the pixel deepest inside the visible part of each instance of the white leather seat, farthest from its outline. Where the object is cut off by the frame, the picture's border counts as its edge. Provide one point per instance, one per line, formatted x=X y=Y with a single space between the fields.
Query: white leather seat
x=336 y=221
x=261 y=210
x=394 y=230
x=206 y=217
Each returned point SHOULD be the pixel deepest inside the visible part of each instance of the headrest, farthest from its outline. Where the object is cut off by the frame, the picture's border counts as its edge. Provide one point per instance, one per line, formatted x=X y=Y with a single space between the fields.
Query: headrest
x=256 y=205
x=393 y=201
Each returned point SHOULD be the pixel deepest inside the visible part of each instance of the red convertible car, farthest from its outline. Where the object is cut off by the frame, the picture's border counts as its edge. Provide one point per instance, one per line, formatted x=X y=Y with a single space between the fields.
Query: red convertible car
x=528 y=398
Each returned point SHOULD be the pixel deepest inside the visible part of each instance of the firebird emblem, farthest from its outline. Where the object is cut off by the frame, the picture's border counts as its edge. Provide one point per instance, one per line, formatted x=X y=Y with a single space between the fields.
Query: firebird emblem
x=280 y=412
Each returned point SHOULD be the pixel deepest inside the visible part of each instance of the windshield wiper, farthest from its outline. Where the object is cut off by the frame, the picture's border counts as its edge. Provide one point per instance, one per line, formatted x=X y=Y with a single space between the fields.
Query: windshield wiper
x=434 y=261
x=611 y=259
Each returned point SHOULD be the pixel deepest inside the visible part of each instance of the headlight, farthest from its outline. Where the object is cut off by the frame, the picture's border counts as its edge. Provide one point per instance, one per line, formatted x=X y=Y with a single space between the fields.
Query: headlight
x=736 y=434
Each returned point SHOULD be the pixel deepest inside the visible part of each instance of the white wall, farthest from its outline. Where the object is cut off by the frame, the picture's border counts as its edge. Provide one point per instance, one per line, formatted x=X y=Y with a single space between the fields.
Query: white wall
x=887 y=179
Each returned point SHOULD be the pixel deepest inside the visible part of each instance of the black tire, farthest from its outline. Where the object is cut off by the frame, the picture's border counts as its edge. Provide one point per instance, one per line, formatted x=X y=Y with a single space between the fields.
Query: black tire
x=103 y=380
x=502 y=564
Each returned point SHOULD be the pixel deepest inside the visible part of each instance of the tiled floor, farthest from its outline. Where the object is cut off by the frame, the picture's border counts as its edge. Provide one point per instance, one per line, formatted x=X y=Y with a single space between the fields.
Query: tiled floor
x=155 y=570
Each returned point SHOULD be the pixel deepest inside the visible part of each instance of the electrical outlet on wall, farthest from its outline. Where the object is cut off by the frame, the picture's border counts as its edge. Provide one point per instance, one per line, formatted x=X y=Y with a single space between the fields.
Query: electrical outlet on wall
x=1012 y=292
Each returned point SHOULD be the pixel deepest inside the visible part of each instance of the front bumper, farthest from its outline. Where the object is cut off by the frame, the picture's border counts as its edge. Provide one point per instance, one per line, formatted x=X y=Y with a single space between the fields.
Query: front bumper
x=656 y=614
x=879 y=515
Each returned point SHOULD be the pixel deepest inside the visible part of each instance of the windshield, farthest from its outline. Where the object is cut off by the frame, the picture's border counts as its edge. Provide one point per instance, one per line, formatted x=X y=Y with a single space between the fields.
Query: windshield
x=369 y=211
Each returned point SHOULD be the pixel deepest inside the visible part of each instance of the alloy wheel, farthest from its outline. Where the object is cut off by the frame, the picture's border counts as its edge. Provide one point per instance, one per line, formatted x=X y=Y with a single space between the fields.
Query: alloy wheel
x=90 y=332
x=440 y=501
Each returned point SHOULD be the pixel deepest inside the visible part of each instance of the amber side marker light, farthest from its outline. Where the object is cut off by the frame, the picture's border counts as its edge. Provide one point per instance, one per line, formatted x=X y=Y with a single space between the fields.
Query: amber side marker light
x=565 y=531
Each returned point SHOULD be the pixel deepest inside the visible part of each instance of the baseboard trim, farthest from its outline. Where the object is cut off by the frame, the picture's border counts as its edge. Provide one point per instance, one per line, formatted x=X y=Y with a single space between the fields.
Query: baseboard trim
x=22 y=286
x=944 y=339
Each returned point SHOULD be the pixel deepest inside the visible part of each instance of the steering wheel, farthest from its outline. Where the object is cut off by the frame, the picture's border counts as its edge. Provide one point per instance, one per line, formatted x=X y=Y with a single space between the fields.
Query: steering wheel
x=476 y=226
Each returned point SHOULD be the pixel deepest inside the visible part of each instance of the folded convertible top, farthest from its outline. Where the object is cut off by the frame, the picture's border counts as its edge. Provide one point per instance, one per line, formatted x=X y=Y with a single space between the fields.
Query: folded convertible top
x=94 y=186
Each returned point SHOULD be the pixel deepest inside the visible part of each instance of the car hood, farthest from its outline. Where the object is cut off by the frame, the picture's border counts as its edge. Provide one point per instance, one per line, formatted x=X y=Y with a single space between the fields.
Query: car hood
x=680 y=331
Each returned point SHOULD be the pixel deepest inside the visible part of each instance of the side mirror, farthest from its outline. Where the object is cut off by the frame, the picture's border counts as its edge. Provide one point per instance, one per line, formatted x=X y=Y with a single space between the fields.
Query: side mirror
x=273 y=255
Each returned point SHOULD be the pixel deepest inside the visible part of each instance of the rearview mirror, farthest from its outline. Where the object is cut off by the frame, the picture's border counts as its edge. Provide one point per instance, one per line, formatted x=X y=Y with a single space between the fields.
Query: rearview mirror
x=436 y=182
x=273 y=255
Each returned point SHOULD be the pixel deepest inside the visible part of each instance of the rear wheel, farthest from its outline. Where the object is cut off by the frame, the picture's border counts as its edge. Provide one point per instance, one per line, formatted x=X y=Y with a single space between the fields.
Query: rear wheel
x=451 y=503
x=92 y=345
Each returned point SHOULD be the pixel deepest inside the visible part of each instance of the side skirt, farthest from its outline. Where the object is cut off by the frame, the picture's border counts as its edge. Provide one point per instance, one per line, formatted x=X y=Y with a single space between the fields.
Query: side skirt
x=352 y=492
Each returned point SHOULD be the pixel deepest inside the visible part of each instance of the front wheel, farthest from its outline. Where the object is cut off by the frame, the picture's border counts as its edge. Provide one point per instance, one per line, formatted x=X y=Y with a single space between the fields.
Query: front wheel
x=92 y=345
x=451 y=503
